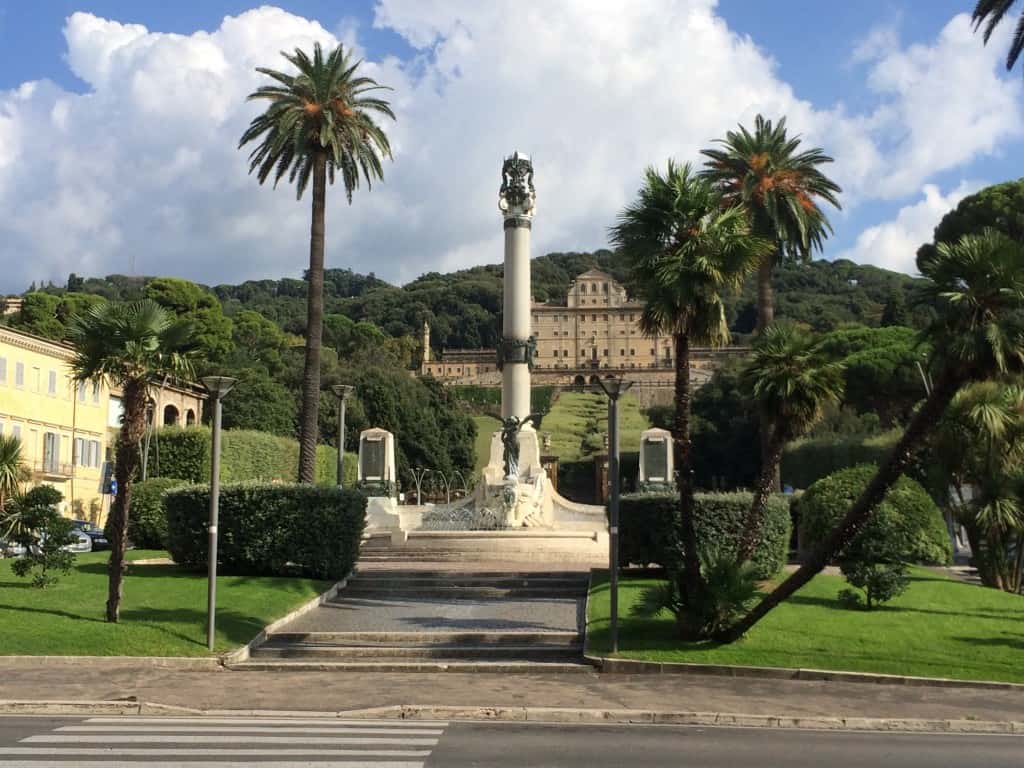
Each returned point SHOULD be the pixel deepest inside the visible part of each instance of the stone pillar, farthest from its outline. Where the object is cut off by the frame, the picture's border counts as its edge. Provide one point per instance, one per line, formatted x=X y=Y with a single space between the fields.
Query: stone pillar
x=515 y=352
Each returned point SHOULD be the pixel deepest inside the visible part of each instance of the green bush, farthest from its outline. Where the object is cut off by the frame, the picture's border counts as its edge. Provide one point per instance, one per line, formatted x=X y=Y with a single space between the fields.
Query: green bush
x=269 y=529
x=184 y=452
x=907 y=511
x=648 y=531
x=805 y=462
x=40 y=529
x=147 y=520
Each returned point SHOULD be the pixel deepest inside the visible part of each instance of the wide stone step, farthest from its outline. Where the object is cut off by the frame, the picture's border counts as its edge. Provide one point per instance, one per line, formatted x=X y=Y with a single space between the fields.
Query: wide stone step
x=437 y=665
x=450 y=652
x=427 y=638
x=460 y=592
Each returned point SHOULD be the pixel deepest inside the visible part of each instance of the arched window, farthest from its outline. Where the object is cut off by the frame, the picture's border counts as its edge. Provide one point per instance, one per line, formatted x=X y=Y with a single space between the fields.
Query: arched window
x=170 y=416
x=190 y=418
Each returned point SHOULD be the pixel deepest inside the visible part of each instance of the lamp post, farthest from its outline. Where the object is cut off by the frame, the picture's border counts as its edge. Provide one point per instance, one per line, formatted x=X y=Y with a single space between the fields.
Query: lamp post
x=342 y=391
x=418 y=473
x=614 y=388
x=218 y=387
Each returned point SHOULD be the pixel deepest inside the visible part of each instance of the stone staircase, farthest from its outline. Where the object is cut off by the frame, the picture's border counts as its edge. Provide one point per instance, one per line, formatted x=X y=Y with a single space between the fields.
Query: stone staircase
x=472 y=621
x=544 y=547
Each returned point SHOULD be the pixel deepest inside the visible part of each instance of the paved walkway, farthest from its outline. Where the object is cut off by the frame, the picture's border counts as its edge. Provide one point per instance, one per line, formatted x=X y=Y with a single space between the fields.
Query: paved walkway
x=312 y=691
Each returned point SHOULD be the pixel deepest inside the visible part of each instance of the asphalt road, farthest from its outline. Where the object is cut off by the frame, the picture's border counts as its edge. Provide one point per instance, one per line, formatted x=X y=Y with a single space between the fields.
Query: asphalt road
x=132 y=742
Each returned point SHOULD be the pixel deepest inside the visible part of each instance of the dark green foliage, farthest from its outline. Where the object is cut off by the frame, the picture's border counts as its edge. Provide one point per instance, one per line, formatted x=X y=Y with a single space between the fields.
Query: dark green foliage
x=487 y=400
x=648 y=529
x=880 y=582
x=258 y=402
x=726 y=448
x=1000 y=206
x=730 y=590
x=245 y=455
x=147 y=522
x=804 y=462
x=269 y=529
x=907 y=525
x=47 y=314
x=42 y=531
x=211 y=330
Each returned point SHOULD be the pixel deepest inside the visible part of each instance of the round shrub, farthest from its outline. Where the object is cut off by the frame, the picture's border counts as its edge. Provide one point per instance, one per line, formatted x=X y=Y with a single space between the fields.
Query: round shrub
x=907 y=511
x=648 y=528
x=269 y=529
x=147 y=520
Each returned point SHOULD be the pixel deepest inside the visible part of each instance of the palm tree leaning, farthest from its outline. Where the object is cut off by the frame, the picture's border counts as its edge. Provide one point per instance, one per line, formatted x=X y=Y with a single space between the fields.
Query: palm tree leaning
x=991 y=13
x=319 y=123
x=780 y=186
x=791 y=381
x=685 y=250
x=127 y=345
x=976 y=287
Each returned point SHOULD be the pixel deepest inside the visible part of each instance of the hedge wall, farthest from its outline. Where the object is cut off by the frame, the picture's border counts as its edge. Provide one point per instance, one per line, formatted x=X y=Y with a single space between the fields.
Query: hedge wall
x=648 y=531
x=147 y=520
x=269 y=529
x=907 y=510
x=245 y=455
x=805 y=462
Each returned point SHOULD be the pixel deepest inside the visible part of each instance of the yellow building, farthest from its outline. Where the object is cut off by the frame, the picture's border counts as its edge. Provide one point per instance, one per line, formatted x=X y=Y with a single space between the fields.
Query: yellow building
x=67 y=432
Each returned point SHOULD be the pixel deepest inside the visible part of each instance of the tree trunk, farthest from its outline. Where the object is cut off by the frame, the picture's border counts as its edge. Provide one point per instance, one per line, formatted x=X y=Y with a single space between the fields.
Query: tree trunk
x=310 y=421
x=860 y=512
x=753 y=524
x=684 y=471
x=126 y=466
x=765 y=317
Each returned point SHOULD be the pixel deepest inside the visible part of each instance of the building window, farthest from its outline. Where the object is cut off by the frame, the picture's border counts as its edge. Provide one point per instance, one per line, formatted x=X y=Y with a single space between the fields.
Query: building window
x=16 y=431
x=654 y=352
x=631 y=317
x=37 y=379
x=81 y=392
x=3 y=370
x=51 y=451
x=606 y=287
x=19 y=375
x=95 y=454
x=622 y=353
x=78 y=452
x=632 y=352
x=593 y=318
x=605 y=353
x=52 y=383
x=96 y=393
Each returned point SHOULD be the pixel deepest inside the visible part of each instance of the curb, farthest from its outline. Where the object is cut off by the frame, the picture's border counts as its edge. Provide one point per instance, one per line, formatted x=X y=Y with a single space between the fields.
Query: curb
x=632 y=666
x=240 y=655
x=179 y=663
x=540 y=715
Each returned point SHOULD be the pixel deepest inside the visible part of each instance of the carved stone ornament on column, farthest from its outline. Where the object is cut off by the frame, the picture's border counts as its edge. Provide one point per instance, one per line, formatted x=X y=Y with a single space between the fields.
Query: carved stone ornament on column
x=516 y=351
x=516 y=196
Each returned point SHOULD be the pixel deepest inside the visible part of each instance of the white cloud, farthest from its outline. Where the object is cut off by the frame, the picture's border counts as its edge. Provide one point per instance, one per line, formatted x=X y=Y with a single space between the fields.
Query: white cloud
x=893 y=244
x=143 y=168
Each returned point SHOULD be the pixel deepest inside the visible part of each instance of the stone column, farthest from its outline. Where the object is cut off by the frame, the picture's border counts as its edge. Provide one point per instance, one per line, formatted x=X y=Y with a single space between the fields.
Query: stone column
x=515 y=352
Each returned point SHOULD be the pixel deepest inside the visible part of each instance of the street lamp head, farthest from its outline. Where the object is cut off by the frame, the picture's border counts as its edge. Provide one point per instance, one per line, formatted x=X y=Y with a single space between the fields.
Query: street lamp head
x=614 y=386
x=342 y=390
x=218 y=386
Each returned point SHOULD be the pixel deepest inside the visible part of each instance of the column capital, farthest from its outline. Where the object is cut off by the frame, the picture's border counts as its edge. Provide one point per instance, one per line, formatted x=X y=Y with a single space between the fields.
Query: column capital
x=516 y=196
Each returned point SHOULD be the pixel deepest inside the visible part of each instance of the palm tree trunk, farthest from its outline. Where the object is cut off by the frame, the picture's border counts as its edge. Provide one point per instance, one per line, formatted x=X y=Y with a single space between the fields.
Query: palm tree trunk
x=310 y=421
x=765 y=317
x=684 y=470
x=126 y=467
x=753 y=524
x=859 y=514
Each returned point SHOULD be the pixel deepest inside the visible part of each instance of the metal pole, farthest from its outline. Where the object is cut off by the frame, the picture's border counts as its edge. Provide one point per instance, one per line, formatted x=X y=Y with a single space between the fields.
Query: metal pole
x=341 y=441
x=211 y=595
x=613 y=513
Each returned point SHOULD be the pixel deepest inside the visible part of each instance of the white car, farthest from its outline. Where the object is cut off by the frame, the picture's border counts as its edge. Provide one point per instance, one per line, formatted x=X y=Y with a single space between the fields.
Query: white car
x=80 y=542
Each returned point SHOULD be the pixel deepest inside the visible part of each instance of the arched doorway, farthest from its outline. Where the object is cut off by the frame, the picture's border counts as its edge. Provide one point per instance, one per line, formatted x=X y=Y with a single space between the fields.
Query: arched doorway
x=190 y=418
x=595 y=380
x=170 y=416
x=579 y=381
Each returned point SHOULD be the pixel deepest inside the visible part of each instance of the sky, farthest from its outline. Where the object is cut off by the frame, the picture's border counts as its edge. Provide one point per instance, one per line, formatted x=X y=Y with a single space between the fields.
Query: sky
x=120 y=119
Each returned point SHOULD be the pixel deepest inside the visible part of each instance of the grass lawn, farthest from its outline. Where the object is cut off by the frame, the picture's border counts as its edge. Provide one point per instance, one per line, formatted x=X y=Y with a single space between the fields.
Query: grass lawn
x=937 y=628
x=163 y=612
x=575 y=414
x=485 y=427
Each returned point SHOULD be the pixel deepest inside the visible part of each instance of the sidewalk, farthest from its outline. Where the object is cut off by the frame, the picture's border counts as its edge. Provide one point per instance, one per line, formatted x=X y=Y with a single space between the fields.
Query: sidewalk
x=323 y=691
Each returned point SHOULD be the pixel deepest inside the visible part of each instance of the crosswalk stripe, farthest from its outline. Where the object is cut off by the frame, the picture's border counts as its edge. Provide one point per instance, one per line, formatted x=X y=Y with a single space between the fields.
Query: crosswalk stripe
x=142 y=738
x=201 y=752
x=226 y=764
x=263 y=721
x=343 y=730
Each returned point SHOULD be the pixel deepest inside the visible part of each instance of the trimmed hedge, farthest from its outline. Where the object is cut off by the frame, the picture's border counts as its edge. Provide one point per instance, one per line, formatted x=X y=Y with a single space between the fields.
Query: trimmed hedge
x=269 y=529
x=907 y=510
x=147 y=520
x=805 y=462
x=649 y=535
x=245 y=455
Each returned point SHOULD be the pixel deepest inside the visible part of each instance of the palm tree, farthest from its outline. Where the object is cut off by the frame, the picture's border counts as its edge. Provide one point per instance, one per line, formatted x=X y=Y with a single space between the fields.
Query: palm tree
x=319 y=123
x=126 y=345
x=12 y=468
x=780 y=185
x=791 y=381
x=991 y=13
x=976 y=287
x=685 y=250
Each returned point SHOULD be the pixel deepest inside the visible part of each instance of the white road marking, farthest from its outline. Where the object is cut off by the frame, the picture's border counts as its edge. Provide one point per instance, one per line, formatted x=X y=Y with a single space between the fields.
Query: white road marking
x=343 y=730
x=222 y=764
x=201 y=752
x=263 y=721
x=226 y=739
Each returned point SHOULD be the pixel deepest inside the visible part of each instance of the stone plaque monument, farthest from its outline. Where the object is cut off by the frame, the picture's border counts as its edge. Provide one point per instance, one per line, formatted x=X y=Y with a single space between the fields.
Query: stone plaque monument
x=656 y=465
x=377 y=462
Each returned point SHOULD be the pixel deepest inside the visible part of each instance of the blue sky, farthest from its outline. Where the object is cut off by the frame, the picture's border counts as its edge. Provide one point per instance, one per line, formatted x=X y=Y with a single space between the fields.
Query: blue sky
x=122 y=176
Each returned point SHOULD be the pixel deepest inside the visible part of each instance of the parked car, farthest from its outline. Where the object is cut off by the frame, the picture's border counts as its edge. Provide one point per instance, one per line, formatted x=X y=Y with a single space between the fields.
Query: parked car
x=94 y=532
x=81 y=542
x=11 y=549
